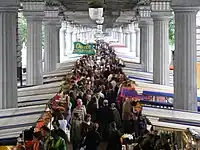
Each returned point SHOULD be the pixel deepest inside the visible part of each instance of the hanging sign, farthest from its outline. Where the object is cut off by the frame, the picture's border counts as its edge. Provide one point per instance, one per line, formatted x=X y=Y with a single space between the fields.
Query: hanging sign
x=80 y=48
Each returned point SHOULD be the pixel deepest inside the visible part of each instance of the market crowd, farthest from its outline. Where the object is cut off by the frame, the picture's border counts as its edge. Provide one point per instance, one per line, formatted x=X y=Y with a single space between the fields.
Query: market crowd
x=89 y=109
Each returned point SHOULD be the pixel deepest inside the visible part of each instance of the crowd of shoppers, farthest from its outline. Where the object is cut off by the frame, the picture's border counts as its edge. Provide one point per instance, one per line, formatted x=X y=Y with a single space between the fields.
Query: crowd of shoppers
x=86 y=111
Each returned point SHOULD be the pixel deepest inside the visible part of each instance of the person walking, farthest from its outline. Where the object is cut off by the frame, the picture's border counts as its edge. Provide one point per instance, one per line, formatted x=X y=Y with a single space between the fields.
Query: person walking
x=92 y=140
x=114 y=142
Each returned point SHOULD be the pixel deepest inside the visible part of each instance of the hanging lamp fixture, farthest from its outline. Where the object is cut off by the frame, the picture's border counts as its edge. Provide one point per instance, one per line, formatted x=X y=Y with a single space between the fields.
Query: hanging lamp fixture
x=95 y=9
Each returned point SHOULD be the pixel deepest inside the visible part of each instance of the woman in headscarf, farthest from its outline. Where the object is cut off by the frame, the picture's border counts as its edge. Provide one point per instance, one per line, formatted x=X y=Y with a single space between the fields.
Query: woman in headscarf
x=80 y=109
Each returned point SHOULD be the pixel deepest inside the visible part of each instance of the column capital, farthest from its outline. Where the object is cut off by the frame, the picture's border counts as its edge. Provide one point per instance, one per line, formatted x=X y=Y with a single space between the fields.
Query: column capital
x=160 y=6
x=9 y=6
x=136 y=26
x=144 y=11
x=74 y=30
x=131 y=28
x=137 y=29
x=120 y=30
x=161 y=15
x=52 y=17
x=146 y=22
x=33 y=6
x=185 y=9
x=69 y=28
x=9 y=3
x=161 y=9
x=145 y=14
x=33 y=10
x=126 y=30
x=185 y=4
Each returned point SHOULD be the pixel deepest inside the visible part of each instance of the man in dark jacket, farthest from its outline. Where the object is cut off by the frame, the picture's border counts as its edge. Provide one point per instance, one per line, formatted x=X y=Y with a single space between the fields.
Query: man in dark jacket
x=114 y=142
x=104 y=119
x=115 y=116
x=92 y=140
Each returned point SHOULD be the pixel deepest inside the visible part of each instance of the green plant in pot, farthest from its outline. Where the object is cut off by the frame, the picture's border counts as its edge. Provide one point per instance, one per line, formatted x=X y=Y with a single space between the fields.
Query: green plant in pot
x=95 y=3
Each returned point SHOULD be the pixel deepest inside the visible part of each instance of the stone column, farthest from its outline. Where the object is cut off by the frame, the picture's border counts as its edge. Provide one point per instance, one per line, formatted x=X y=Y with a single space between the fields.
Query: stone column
x=124 y=38
x=137 y=31
x=87 y=34
x=74 y=37
x=185 y=73
x=161 y=50
x=121 y=36
x=132 y=40
x=82 y=35
x=146 y=39
x=91 y=35
x=63 y=55
x=69 y=39
x=161 y=15
x=8 y=57
x=34 y=13
x=51 y=39
x=128 y=38
x=115 y=34
x=79 y=34
x=112 y=34
x=58 y=39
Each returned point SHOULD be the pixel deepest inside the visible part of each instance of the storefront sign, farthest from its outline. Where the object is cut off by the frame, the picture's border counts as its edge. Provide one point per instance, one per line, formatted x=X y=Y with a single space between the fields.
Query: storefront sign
x=80 y=48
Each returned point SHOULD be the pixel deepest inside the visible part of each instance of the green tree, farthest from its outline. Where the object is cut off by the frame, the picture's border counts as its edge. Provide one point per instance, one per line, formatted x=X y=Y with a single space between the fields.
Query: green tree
x=22 y=27
x=172 y=31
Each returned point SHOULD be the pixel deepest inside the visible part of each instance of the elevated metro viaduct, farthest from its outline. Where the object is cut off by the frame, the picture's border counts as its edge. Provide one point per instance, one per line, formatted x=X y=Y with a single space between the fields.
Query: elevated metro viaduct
x=151 y=40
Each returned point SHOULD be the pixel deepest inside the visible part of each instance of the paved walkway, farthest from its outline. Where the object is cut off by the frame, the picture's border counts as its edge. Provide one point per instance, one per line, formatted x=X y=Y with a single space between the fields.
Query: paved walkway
x=134 y=70
x=101 y=147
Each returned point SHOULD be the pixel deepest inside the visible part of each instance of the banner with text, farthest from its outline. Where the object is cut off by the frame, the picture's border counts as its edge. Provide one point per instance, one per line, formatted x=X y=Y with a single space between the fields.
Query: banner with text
x=80 y=48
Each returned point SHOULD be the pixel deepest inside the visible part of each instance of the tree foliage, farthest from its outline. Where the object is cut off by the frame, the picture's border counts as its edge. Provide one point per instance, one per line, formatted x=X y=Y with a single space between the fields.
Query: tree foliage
x=22 y=27
x=172 y=31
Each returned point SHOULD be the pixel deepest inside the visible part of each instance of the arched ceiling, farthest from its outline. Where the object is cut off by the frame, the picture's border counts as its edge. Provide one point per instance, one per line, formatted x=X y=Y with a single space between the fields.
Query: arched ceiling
x=114 y=12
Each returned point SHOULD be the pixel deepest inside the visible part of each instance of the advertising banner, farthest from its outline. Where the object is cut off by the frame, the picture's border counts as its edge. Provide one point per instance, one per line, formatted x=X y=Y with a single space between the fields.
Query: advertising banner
x=80 y=48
